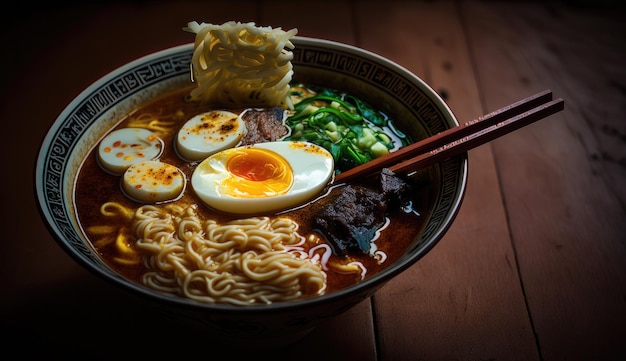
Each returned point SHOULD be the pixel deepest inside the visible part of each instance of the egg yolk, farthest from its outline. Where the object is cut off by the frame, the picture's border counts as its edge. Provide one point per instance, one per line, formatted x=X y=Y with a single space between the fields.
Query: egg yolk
x=257 y=173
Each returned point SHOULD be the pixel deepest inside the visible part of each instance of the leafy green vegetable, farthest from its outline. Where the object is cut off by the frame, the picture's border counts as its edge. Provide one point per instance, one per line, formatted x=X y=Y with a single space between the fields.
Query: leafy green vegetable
x=350 y=129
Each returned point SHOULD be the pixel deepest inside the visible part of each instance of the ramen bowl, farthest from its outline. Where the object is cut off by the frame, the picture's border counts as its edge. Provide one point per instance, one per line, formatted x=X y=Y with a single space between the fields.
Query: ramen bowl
x=417 y=110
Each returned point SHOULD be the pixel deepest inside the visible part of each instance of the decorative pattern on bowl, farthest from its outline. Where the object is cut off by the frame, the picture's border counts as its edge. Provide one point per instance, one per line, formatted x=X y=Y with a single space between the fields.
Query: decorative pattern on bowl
x=381 y=82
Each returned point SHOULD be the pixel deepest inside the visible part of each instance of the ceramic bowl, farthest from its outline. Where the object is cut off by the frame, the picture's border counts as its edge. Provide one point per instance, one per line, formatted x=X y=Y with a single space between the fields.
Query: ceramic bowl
x=416 y=108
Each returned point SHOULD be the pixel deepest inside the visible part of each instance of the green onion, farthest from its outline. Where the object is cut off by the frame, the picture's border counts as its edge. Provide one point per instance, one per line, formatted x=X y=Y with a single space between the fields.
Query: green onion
x=351 y=130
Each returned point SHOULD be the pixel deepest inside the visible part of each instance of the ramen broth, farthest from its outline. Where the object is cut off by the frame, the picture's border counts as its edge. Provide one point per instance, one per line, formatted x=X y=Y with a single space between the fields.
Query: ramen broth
x=95 y=186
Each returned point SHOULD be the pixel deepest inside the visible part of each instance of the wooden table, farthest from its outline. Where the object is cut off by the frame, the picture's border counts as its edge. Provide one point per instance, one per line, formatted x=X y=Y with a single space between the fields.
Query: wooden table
x=534 y=266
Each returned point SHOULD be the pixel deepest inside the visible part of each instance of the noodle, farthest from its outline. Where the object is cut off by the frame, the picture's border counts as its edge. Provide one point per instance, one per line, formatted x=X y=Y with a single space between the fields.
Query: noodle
x=151 y=122
x=236 y=63
x=112 y=209
x=245 y=261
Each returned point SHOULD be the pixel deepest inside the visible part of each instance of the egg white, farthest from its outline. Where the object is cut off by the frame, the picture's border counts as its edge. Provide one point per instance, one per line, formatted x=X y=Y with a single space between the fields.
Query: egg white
x=124 y=147
x=312 y=168
x=153 y=181
x=208 y=133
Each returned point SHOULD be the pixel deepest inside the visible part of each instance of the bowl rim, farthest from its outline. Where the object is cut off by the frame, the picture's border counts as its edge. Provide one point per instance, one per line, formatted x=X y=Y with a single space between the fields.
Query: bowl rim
x=373 y=283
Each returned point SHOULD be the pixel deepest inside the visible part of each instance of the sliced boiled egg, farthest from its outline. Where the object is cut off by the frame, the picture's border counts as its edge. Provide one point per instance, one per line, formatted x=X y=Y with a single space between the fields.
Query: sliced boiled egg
x=124 y=147
x=208 y=133
x=263 y=177
x=153 y=181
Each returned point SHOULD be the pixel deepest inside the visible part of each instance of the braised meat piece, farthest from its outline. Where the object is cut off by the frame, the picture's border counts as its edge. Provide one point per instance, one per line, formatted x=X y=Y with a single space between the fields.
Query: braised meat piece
x=264 y=125
x=351 y=220
x=392 y=187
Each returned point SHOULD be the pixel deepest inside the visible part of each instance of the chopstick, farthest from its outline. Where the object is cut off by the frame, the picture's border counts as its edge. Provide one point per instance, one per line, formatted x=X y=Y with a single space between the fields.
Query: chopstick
x=460 y=139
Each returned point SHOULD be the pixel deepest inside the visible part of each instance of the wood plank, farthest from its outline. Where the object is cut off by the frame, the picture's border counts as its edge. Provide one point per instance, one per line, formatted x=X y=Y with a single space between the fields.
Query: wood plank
x=467 y=287
x=561 y=178
x=325 y=19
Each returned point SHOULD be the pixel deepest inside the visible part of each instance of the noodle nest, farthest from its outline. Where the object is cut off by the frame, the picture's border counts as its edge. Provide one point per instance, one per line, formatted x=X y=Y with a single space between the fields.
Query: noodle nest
x=255 y=260
x=240 y=63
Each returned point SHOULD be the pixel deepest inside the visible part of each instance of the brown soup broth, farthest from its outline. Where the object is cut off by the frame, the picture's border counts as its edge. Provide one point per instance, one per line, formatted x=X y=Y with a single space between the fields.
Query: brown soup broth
x=94 y=187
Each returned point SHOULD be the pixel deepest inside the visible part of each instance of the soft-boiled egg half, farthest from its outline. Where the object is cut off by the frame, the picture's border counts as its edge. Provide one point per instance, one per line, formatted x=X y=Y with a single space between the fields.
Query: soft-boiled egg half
x=208 y=133
x=153 y=181
x=124 y=147
x=263 y=177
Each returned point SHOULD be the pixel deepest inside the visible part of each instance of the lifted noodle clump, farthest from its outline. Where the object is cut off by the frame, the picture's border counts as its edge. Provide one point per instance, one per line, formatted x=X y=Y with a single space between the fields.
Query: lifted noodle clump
x=237 y=63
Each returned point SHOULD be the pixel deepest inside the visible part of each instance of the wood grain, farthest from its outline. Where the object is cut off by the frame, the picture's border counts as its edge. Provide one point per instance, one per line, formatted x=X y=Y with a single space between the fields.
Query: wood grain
x=565 y=212
x=468 y=286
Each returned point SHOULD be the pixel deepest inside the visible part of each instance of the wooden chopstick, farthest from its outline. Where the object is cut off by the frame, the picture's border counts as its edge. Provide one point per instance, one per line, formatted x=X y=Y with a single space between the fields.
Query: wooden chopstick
x=461 y=138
